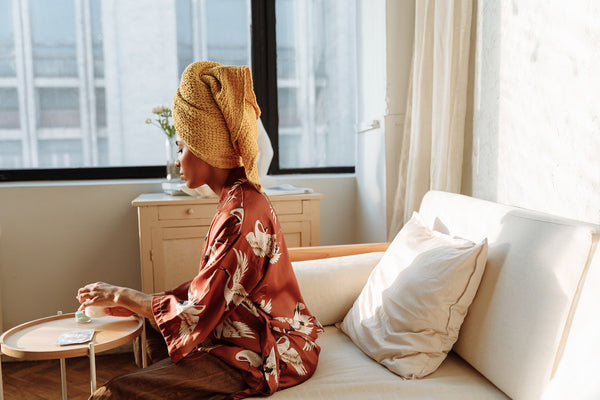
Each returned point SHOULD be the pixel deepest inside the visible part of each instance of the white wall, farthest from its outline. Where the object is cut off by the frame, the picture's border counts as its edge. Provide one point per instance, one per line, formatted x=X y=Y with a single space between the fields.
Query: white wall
x=536 y=117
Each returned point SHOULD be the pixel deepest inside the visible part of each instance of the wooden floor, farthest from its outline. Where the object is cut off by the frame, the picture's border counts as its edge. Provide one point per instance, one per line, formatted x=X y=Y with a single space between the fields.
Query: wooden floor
x=37 y=380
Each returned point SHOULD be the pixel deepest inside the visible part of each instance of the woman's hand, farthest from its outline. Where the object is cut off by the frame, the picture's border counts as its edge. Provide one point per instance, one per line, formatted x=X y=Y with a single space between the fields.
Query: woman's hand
x=97 y=294
x=116 y=300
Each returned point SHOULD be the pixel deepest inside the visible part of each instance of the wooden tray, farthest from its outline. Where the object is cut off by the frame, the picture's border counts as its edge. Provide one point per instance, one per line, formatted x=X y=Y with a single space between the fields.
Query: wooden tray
x=36 y=340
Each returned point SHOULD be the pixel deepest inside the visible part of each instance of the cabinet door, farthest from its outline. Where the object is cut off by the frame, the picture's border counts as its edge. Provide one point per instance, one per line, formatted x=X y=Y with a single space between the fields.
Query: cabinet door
x=296 y=233
x=176 y=254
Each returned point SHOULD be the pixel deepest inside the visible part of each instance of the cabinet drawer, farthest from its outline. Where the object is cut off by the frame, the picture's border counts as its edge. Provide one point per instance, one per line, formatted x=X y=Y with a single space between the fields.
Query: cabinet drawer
x=190 y=211
x=287 y=207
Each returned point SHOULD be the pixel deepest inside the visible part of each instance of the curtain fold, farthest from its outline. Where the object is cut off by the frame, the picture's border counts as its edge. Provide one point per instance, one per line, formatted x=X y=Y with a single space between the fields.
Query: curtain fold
x=434 y=127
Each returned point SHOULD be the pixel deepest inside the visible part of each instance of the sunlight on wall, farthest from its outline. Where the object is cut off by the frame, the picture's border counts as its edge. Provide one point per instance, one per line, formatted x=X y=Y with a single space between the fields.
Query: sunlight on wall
x=536 y=118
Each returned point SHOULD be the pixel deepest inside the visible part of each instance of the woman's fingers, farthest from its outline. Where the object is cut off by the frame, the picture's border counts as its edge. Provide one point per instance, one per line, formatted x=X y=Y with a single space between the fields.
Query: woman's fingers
x=94 y=293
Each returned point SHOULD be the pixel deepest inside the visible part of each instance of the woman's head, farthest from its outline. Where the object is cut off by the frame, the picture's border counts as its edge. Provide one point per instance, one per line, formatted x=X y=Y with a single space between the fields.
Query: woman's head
x=215 y=114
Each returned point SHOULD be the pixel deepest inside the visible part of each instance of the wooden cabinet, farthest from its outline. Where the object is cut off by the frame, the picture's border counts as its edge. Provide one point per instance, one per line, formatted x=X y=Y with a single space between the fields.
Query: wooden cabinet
x=172 y=231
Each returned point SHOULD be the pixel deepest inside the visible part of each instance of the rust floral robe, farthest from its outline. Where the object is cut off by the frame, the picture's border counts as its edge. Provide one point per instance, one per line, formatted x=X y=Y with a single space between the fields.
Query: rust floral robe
x=244 y=306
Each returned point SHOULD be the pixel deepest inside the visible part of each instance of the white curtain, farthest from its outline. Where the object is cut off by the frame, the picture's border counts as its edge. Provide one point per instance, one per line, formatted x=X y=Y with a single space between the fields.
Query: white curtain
x=432 y=144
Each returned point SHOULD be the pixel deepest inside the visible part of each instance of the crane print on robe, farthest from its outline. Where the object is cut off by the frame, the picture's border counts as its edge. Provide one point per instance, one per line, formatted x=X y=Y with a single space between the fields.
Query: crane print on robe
x=234 y=291
x=263 y=244
x=189 y=311
x=300 y=322
x=289 y=355
x=249 y=356
x=233 y=329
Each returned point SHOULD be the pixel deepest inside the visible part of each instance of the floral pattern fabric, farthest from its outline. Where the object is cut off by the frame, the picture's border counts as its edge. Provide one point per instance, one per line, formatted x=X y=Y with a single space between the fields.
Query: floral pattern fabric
x=244 y=306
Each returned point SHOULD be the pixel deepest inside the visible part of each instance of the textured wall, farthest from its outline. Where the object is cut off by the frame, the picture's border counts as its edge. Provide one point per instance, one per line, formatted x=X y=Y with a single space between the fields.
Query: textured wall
x=536 y=106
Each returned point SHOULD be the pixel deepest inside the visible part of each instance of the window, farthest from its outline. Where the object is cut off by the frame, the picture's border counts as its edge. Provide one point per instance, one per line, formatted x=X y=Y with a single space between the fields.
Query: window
x=316 y=84
x=52 y=107
x=78 y=78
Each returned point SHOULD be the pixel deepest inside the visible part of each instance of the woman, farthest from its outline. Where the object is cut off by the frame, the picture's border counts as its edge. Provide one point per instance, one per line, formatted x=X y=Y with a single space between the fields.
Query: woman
x=240 y=327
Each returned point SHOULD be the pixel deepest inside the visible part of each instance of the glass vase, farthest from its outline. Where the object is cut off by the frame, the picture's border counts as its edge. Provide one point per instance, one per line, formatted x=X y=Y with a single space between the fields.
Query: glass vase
x=171 y=148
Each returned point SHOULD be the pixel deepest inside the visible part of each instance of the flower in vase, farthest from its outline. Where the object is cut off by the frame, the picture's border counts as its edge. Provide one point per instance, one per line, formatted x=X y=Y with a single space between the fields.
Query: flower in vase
x=163 y=120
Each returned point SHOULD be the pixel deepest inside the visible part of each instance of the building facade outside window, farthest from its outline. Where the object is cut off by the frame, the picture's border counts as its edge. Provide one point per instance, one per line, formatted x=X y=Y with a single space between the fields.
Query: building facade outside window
x=78 y=78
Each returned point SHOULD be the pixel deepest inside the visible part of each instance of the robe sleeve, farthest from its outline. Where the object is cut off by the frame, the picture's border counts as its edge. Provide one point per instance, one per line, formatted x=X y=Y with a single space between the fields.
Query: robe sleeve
x=228 y=273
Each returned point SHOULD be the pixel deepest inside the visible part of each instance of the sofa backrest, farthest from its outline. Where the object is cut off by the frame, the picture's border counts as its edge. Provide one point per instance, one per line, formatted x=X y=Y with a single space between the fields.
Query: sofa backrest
x=518 y=325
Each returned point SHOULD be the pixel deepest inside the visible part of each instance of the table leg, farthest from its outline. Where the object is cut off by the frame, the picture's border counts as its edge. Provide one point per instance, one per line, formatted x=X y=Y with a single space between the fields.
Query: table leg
x=63 y=378
x=92 y=367
x=143 y=346
x=1 y=388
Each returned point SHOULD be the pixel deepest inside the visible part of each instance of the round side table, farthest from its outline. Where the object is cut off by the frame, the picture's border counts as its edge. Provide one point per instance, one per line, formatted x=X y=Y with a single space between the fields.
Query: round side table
x=36 y=340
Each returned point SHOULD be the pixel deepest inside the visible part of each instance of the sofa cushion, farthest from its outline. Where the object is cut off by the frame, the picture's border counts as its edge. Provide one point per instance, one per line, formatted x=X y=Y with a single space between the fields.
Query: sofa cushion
x=329 y=286
x=521 y=316
x=409 y=313
x=345 y=372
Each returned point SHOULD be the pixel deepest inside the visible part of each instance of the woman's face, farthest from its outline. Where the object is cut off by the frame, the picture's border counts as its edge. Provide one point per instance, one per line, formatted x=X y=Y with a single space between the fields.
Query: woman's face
x=192 y=170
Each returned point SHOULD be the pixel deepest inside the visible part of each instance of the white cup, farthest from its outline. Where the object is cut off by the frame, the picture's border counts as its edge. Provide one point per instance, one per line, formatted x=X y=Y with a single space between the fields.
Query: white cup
x=95 y=311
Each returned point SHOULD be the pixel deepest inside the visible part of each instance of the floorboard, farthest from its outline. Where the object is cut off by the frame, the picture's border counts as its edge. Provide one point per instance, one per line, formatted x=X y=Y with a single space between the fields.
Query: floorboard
x=40 y=380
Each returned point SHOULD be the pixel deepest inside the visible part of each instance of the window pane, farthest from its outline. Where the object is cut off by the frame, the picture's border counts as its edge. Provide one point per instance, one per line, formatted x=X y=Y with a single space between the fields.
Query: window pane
x=97 y=38
x=289 y=145
x=289 y=116
x=216 y=30
x=228 y=31
x=137 y=56
x=285 y=33
x=185 y=48
x=103 y=151
x=57 y=107
x=54 y=39
x=136 y=68
x=100 y=107
x=9 y=109
x=60 y=153
x=7 y=48
x=11 y=154
x=316 y=68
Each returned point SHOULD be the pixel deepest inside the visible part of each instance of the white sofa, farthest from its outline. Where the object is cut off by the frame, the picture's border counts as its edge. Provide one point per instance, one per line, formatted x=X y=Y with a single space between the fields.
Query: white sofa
x=532 y=331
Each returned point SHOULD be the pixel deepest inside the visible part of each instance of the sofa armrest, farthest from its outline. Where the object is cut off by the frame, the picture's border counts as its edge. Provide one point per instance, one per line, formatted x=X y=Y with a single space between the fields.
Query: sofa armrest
x=318 y=252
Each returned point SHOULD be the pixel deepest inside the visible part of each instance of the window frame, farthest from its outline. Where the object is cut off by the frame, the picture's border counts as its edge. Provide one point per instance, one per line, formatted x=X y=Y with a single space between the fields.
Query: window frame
x=264 y=70
x=264 y=67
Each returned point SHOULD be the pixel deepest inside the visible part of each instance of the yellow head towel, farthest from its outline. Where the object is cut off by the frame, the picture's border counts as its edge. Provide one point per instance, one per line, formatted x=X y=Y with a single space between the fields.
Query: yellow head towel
x=215 y=114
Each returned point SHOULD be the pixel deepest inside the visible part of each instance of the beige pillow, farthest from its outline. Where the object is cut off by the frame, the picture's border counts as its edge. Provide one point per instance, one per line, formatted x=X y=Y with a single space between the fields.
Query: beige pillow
x=408 y=315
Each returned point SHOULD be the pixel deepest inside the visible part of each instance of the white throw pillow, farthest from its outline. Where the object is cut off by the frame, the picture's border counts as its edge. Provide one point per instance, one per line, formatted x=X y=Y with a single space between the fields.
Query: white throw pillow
x=408 y=315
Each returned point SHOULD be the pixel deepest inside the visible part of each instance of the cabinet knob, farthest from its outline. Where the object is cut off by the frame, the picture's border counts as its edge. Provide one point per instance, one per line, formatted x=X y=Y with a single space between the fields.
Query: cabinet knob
x=189 y=211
